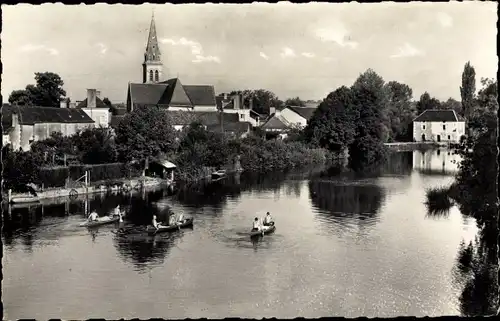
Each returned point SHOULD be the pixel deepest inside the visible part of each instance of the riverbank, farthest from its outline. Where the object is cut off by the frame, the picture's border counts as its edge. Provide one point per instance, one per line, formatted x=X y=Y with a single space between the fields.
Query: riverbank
x=411 y=146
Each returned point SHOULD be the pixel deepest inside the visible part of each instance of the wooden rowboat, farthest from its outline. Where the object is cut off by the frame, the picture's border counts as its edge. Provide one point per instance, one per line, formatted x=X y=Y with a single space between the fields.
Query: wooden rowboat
x=170 y=228
x=101 y=221
x=266 y=230
x=25 y=200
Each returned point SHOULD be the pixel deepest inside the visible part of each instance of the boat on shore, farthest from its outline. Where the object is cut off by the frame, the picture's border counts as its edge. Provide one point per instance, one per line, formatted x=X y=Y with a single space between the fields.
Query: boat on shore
x=24 y=199
x=170 y=228
x=265 y=230
x=219 y=174
x=101 y=221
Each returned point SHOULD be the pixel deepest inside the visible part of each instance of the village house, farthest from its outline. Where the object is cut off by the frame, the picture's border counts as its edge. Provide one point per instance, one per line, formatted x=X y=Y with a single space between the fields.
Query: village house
x=95 y=108
x=438 y=125
x=289 y=117
x=23 y=125
x=234 y=104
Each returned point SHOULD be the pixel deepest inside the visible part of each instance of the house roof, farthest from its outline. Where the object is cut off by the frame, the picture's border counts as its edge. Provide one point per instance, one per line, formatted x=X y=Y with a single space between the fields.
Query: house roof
x=275 y=122
x=98 y=102
x=209 y=118
x=172 y=92
x=34 y=115
x=437 y=115
x=305 y=112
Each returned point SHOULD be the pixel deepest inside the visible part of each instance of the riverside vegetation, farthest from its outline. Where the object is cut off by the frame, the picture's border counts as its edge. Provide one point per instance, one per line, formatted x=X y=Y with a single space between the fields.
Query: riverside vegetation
x=474 y=191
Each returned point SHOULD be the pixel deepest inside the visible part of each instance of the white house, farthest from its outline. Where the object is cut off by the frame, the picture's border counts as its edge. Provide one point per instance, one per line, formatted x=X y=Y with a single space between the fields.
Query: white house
x=96 y=109
x=439 y=126
x=290 y=116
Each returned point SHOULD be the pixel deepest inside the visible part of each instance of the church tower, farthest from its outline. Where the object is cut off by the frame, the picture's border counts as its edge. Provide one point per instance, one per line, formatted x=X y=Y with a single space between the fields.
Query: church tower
x=152 y=66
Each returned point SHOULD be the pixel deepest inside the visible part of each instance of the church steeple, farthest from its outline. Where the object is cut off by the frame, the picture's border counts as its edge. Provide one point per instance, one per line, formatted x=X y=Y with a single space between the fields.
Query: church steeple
x=152 y=66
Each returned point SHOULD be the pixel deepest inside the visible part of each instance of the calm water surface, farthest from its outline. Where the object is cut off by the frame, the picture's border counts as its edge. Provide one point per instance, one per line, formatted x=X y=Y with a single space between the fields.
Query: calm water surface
x=343 y=246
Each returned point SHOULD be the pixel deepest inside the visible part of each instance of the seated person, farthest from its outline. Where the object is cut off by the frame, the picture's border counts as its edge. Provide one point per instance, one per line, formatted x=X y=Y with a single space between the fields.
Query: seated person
x=171 y=220
x=93 y=217
x=256 y=225
x=156 y=224
x=268 y=220
x=180 y=218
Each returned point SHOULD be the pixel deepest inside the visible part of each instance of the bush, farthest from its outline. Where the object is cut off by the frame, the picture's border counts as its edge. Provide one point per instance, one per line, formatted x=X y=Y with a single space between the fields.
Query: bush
x=438 y=200
x=53 y=177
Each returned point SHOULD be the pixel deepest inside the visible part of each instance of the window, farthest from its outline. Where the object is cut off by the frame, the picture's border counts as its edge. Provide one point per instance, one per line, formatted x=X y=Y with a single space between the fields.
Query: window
x=449 y=137
x=157 y=75
x=444 y=127
x=242 y=116
x=423 y=126
x=151 y=75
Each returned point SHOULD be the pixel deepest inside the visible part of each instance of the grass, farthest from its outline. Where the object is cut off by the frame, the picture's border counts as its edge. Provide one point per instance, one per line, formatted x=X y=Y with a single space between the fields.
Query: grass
x=438 y=201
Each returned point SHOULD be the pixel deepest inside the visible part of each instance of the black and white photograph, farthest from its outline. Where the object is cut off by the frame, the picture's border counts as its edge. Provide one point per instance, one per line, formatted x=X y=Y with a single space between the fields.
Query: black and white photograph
x=249 y=160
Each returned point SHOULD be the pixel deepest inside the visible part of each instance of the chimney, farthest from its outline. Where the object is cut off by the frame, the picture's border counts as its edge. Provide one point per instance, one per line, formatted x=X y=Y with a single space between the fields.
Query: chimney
x=237 y=101
x=91 y=98
x=63 y=104
x=72 y=105
x=15 y=120
x=272 y=110
x=225 y=96
x=251 y=103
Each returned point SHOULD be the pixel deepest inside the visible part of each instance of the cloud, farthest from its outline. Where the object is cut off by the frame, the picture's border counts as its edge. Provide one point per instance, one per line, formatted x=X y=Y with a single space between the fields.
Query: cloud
x=338 y=35
x=445 y=19
x=102 y=48
x=287 y=52
x=32 y=48
x=263 y=55
x=308 y=55
x=407 y=51
x=200 y=58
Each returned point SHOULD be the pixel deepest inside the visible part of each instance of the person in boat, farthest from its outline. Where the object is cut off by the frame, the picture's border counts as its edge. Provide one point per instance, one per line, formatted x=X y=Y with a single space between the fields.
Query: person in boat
x=172 y=220
x=93 y=217
x=180 y=218
x=268 y=220
x=256 y=225
x=117 y=211
x=156 y=224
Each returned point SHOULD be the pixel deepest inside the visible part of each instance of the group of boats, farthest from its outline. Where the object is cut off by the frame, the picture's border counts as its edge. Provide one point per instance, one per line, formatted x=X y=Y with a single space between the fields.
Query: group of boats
x=151 y=230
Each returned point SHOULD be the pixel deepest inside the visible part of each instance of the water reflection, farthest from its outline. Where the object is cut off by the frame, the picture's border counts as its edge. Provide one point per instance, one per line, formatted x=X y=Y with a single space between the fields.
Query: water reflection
x=436 y=162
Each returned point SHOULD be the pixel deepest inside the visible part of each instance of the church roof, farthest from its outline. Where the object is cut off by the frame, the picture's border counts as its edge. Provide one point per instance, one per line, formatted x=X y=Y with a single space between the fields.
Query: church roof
x=173 y=93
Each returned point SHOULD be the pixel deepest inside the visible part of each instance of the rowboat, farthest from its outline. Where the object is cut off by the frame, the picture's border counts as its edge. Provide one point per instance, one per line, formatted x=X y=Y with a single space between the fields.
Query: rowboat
x=101 y=221
x=24 y=200
x=187 y=223
x=266 y=230
x=219 y=174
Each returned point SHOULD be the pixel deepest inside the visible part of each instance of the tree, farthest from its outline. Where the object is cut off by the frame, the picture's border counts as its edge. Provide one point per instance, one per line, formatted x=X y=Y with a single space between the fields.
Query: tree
x=468 y=90
x=332 y=124
x=262 y=100
x=47 y=92
x=452 y=104
x=426 y=102
x=400 y=110
x=295 y=102
x=371 y=99
x=108 y=103
x=95 y=146
x=20 y=169
x=145 y=132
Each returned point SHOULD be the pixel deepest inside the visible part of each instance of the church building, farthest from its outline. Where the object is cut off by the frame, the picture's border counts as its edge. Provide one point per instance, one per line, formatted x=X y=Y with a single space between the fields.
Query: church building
x=170 y=94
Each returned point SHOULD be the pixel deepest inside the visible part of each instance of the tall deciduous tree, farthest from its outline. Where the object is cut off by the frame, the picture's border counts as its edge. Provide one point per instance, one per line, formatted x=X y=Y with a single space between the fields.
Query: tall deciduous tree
x=145 y=132
x=371 y=100
x=427 y=102
x=468 y=90
x=400 y=110
x=47 y=92
x=453 y=104
x=332 y=124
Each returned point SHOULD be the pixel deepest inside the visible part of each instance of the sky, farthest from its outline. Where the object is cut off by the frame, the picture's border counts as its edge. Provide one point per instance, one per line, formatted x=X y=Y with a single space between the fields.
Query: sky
x=305 y=50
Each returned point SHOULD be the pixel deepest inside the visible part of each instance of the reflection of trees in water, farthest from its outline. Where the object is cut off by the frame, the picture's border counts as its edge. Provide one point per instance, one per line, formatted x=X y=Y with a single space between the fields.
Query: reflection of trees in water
x=477 y=273
x=143 y=251
x=400 y=163
x=346 y=200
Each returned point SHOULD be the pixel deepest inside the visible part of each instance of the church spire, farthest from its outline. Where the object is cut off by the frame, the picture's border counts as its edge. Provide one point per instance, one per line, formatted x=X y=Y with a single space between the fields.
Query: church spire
x=152 y=66
x=152 y=49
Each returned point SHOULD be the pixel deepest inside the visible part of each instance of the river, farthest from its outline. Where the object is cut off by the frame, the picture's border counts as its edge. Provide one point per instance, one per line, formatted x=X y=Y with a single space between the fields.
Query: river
x=344 y=246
